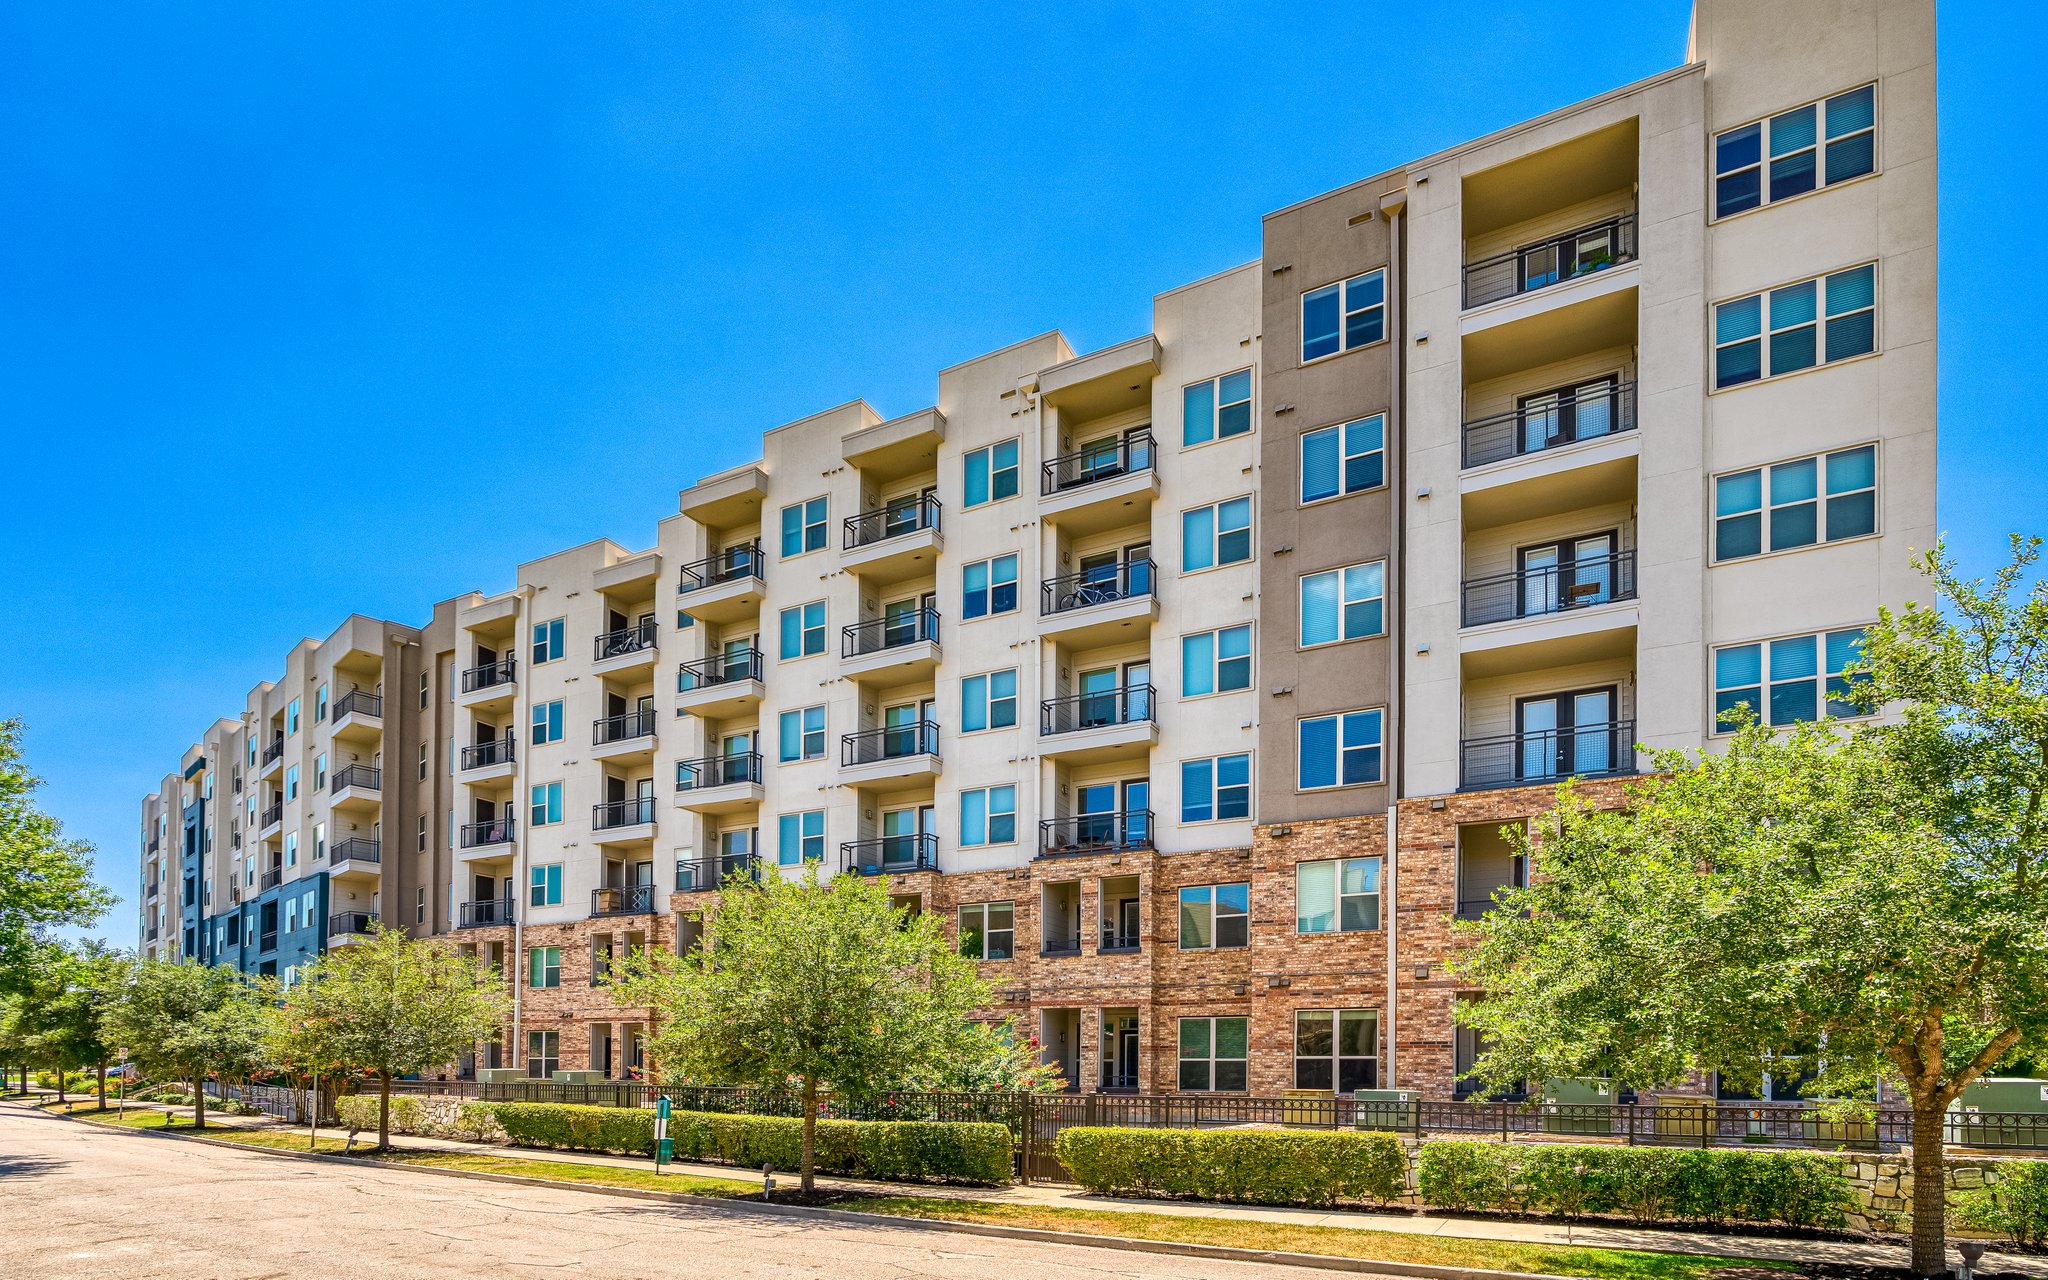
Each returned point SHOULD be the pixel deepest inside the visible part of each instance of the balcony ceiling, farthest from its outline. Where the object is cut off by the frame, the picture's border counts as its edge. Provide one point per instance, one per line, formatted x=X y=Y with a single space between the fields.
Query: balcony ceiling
x=1554 y=178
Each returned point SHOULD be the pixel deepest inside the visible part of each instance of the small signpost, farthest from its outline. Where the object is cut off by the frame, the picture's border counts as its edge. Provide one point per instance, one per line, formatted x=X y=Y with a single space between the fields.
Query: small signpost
x=122 y=1054
x=664 y=1151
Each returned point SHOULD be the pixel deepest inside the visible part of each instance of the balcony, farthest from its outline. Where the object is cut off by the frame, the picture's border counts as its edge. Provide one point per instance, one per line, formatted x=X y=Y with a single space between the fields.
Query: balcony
x=1099 y=606
x=623 y=821
x=490 y=682
x=721 y=686
x=898 y=540
x=890 y=855
x=344 y=926
x=355 y=854
x=622 y=900
x=631 y=734
x=1552 y=261
x=1541 y=591
x=725 y=587
x=484 y=913
x=267 y=941
x=270 y=879
x=493 y=834
x=1100 y=487
x=625 y=649
x=152 y=893
x=719 y=784
x=356 y=786
x=701 y=875
x=1550 y=422
x=357 y=715
x=890 y=754
x=1542 y=757
x=1099 y=725
x=487 y=760
x=1120 y=831
x=1116 y=942
x=273 y=819
x=891 y=649
x=1064 y=945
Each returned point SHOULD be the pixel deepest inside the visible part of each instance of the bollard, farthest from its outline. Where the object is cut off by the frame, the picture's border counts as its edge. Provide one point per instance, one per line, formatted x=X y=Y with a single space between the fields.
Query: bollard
x=767 y=1180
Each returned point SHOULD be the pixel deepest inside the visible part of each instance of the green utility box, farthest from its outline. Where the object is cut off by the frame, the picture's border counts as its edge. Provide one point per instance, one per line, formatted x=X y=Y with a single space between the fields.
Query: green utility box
x=2000 y=1112
x=1580 y=1105
x=580 y=1077
x=499 y=1075
x=1682 y=1118
x=1389 y=1110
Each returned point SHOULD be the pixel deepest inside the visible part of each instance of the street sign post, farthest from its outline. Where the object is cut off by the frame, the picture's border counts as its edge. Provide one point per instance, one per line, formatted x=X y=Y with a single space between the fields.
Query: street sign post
x=664 y=1151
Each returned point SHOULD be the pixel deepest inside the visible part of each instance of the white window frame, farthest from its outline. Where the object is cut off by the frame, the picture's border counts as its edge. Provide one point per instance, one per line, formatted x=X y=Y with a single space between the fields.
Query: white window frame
x=1376 y=716
x=1826 y=673
x=1765 y=510
x=1375 y=870
x=548 y=644
x=987 y=455
x=1345 y=310
x=804 y=733
x=1822 y=142
x=1768 y=330
x=981 y=911
x=1216 y=788
x=1211 y=907
x=972 y=838
x=1211 y=429
x=1348 y=579
x=1209 y=1062
x=1345 y=456
x=812 y=535
x=981 y=695
x=804 y=631
x=1218 y=663
x=1217 y=532
x=988 y=565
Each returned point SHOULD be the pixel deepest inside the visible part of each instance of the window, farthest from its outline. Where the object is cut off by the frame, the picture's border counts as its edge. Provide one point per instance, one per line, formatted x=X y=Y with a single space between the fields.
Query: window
x=988 y=815
x=1845 y=125
x=1337 y=1049
x=320 y=772
x=543 y=1053
x=544 y=887
x=291 y=848
x=426 y=695
x=423 y=833
x=544 y=967
x=291 y=915
x=1780 y=506
x=803 y=734
x=1216 y=409
x=1212 y=1054
x=319 y=841
x=988 y=586
x=1796 y=335
x=423 y=760
x=987 y=930
x=547 y=641
x=1343 y=317
x=1215 y=915
x=1347 y=459
x=800 y=837
x=419 y=905
x=1338 y=896
x=992 y=473
x=803 y=630
x=544 y=808
x=1216 y=789
x=1343 y=604
x=1216 y=535
x=1338 y=750
x=803 y=528
x=1216 y=661
x=291 y=717
x=320 y=705
x=291 y=783
x=989 y=702
x=1790 y=680
x=547 y=722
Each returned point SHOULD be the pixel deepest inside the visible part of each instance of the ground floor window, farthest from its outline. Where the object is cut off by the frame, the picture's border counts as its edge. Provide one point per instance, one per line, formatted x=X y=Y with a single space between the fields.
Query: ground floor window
x=1337 y=1049
x=543 y=1053
x=1212 y=1054
x=987 y=930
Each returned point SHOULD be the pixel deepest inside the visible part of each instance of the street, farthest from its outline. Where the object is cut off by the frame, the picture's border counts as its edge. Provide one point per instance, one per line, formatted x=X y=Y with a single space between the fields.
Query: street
x=81 y=1201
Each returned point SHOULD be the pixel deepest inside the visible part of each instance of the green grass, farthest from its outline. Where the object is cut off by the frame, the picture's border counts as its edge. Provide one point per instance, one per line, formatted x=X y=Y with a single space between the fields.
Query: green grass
x=561 y=1171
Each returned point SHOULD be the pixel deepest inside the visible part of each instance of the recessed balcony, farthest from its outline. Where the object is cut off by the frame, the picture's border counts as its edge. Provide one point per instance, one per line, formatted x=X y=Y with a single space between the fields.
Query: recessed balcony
x=725 y=587
x=1099 y=606
x=357 y=716
x=890 y=855
x=1102 y=724
x=622 y=900
x=626 y=649
x=703 y=875
x=623 y=821
x=624 y=736
x=893 y=753
x=484 y=913
x=489 y=838
x=719 y=784
x=721 y=686
x=273 y=758
x=489 y=684
x=1544 y=757
x=1549 y=590
x=893 y=649
x=1118 y=831
x=1554 y=260
x=270 y=879
x=488 y=761
x=273 y=820
x=1556 y=420
x=1101 y=486
x=357 y=854
x=345 y=927
x=898 y=540
x=356 y=786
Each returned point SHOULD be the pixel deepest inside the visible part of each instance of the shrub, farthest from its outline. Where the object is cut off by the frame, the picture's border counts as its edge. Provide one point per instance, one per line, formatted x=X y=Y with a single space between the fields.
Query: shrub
x=427 y=1117
x=1465 y=1177
x=2016 y=1206
x=1645 y=1184
x=1251 y=1166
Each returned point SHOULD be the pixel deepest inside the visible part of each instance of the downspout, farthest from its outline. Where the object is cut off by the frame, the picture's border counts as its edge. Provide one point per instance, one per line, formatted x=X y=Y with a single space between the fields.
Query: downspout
x=1394 y=204
x=514 y=896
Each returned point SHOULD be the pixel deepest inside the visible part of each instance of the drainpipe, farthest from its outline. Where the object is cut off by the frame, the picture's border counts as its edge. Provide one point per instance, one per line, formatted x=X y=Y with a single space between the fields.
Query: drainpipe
x=1394 y=204
x=514 y=898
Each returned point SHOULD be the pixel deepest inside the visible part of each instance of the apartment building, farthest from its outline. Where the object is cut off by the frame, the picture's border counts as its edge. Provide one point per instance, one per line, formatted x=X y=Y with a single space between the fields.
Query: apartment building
x=1194 y=681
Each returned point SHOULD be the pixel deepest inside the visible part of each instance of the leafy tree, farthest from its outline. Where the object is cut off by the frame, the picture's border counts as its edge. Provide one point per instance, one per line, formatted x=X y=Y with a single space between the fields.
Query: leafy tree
x=1868 y=905
x=823 y=985
x=14 y=1050
x=993 y=1059
x=186 y=1021
x=391 y=1005
x=59 y=1010
x=45 y=880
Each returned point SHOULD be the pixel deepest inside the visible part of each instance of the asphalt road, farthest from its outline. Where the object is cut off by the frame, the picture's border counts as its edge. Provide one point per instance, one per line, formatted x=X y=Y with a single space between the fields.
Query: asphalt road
x=80 y=1201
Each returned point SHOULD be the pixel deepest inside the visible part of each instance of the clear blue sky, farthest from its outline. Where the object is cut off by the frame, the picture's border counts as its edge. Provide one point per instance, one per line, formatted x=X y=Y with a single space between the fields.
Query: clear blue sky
x=277 y=279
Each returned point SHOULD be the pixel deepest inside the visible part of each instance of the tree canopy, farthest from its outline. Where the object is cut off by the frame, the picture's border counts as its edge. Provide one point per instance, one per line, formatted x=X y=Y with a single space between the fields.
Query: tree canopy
x=188 y=1021
x=45 y=880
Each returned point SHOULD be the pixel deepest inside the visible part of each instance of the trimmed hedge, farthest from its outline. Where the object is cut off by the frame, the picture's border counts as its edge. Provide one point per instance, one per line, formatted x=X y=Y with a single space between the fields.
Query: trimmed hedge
x=1643 y=1184
x=1248 y=1166
x=427 y=1117
x=2015 y=1206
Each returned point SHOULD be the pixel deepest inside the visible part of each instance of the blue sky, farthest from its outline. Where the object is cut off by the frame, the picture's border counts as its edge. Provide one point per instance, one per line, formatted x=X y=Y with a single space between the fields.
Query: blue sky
x=275 y=279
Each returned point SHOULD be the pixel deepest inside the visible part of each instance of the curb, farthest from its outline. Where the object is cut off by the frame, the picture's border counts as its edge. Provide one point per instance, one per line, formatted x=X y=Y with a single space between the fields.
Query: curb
x=1218 y=1253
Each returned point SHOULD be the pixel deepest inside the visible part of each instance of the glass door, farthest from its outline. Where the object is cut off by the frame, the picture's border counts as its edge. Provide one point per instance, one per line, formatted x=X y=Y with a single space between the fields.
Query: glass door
x=1098 y=698
x=1137 y=795
x=1566 y=575
x=735 y=765
x=1096 y=824
x=1137 y=698
x=1564 y=734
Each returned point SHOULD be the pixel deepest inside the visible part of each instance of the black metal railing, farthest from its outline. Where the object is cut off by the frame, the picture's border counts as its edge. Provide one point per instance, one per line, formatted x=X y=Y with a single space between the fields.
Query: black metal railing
x=892 y=520
x=356 y=849
x=1123 y=456
x=622 y=900
x=877 y=634
x=890 y=855
x=1064 y=945
x=274 y=752
x=695 y=875
x=1096 y=832
x=1130 y=580
x=483 y=913
x=1474 y=908
x=274 y=814
x=718 y=771
x=346 y=922
x=1537 y=590
x=489 y=675
x=152 y=891
x=364 y=776
x=357 y=702
x=477 y=835
x=719 y=668
x=617 y=644
x=892 y=742
x=485 y=754
x=623 y=728
x=729 y=565
x=1550 y=422
x=1118 y=940
x=270 y=879
x=1550 y=261
x=614 y=814
x=1548 y=755
x=1125 y=704
x=267 y=941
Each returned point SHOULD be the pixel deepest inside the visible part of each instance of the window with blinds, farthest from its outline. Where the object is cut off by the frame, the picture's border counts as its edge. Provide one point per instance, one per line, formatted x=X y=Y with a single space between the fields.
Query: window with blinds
x=1341 y=895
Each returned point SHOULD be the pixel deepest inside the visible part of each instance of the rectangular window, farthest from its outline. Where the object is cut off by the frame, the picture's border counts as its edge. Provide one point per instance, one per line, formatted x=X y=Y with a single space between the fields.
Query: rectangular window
x=419 y=905
x=1338 y=750
x=802 y=734
x=800 y=837
x=320 y=772
x=547 y=722
x=1343 y=604
x=988 y=702
x=291 y=783
x=1346 y=459
x=544 y=967
x=545 y=888
x=291 y=848
x=1343 y=317
x=987 y=930
x=803 y=630
x=1216 y=661
x=1216 y=789
x=545 y=804
x=319 y=841
x=423 y=760
x=988 y=587
x=988 y=815
x=425 y=690
x=991 y=473
x=543 y=1053
x=320 y=705
x=1338 y=896
x=1217 y=535
x=421 y=838
x=803 y=528
x=1215 y=916
x=291 y=718
x=1216 y=409
x=1811 y=146
x=1811 y=322
x=1212 y=1054
x=547 y=641
x=1796 y=504
x=1337 y=1049
x=1788 y=681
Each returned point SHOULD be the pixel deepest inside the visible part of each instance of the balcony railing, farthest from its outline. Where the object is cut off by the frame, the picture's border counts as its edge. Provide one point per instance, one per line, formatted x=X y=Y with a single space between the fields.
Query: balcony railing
x=617 y=644
x=694 y=875
x=1550 y=422
x=359 y=702
x=1129 y=580
x=1551 y=261
x=890 y=855
x=274 y=814
x=343 y=923
x=1121 y=830
x=719 y=668
x=485 y=754
x=362 y=776
x=1120 y=457
x=625 y=728
x=270 y=879
x=905 y=515
x=267 y=941
x=1125 y=704
x=622 y=900
x=893 y=742
x=1117 y=940
x=483 y=913
x=718 y=771
x=274 y=752
x=877 y=634
x=478 y=835
x=489 y=675
x=614 y=814
x=357 y=849
x=1557 y=588
x=729 y=565
x=1474 y=908
x=1548 y=755
x=1068 y=945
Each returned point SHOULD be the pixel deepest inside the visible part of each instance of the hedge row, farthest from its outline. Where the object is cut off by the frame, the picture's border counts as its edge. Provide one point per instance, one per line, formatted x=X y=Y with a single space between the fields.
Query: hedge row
x=428 y=1117
x=1243 y=1165
x=2014 y=1206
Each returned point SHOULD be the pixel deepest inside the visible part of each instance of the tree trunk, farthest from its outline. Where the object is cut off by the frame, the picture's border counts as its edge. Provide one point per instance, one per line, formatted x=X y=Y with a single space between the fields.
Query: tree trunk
x=102 y=1070
x=1929 y=1188
x=198 y=1103
x=383 y=1109
x=810 y=1157
x=61 y=1099
x=313 y=1115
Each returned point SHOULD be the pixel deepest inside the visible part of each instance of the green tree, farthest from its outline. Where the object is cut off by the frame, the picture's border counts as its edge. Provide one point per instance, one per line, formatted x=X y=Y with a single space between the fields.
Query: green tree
x=1868 y=905
x=45 y=880
x=392 y=1005
x=60 y=1002
x=816 y=985
x=186 y=1021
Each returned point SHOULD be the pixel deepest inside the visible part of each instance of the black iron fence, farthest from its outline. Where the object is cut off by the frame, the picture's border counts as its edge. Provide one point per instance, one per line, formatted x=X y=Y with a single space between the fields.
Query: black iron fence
x=718 y=771
x=357 y=849
x=624 y=641
x=857 y=639
x=483 y=913
x=360 y=702
x=1115 y=832
x=890 y=855
x=1536 y=590
x=363 y=777
x=719 y=668
x=622 y=900
x=613 y=814
x=485 y=754
x=694 y=875
x=489 y=675
x=475 y=835
x=622 y=728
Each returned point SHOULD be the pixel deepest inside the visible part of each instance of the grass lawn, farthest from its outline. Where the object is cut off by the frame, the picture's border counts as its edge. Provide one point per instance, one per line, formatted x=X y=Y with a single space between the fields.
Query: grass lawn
x=561 y=1171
